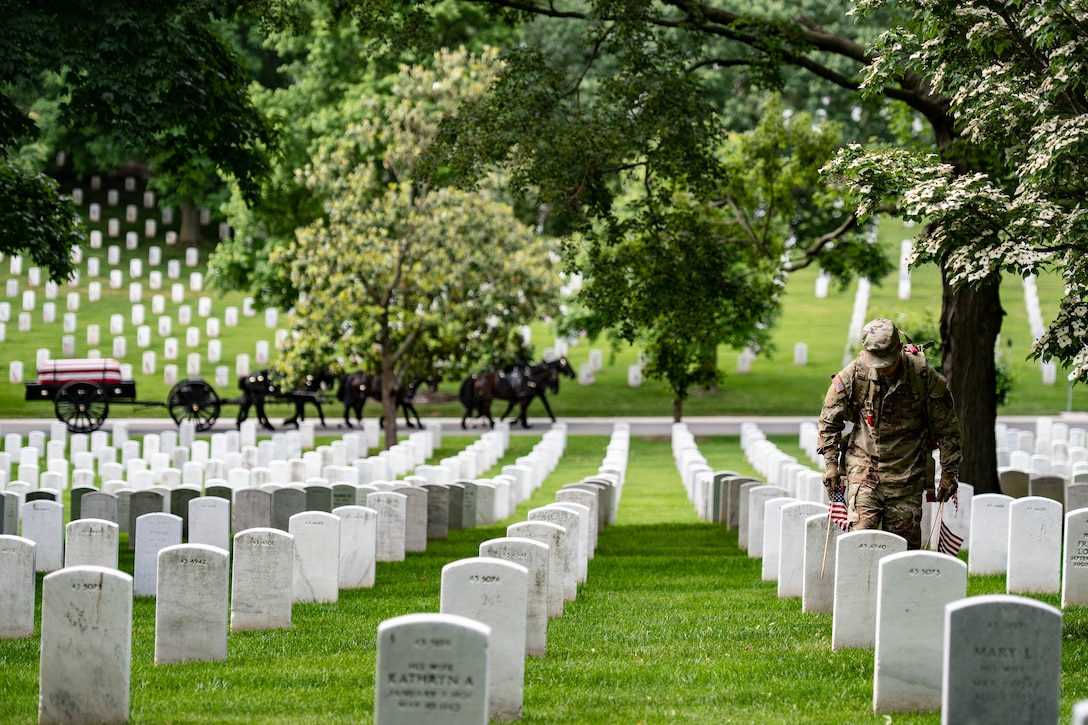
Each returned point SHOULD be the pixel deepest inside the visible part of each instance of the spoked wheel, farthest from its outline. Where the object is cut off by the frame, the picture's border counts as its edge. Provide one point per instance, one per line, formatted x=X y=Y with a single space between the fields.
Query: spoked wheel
x=82 y=406
x=194 y=400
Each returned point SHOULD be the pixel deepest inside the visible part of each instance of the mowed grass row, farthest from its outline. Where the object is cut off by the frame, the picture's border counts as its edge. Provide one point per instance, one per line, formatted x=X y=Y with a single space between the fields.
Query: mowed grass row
x=673 y=625
x=773 y=386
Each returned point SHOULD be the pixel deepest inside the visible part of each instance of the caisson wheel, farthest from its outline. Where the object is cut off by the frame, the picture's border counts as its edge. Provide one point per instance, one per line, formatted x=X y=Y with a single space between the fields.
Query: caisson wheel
x=82 y=406
x=194 y=400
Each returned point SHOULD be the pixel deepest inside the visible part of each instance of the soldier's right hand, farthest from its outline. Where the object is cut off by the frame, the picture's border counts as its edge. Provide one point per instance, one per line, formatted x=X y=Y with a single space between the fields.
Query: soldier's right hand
x=832 y=479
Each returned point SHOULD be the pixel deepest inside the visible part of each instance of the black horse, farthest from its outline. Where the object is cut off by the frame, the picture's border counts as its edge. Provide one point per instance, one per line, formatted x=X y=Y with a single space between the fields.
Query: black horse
x=255 y=388
x=357 y=387
x=519 y=384
x=261 y=385
x=312 y=391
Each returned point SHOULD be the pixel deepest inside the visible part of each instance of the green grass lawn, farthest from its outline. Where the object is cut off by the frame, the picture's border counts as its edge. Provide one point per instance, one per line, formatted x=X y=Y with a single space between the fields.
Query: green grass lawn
x=773 y=386
x=673 y=625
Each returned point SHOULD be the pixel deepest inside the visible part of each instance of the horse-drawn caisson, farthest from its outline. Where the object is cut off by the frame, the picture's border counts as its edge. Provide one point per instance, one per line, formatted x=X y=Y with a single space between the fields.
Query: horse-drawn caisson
x=81 y=391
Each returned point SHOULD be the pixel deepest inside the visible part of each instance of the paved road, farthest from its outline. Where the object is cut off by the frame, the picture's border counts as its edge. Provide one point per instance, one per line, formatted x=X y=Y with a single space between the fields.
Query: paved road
x=648 y=426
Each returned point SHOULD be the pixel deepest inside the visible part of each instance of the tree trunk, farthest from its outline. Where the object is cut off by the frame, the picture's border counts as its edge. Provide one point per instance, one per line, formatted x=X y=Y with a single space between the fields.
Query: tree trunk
x=677 y=409
x=970 y=324
x=389 y=402
x=189 y=234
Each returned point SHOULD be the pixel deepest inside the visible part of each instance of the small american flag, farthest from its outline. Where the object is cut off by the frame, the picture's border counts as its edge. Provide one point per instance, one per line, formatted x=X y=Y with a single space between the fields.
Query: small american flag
x=837 y=511
x=948 y=542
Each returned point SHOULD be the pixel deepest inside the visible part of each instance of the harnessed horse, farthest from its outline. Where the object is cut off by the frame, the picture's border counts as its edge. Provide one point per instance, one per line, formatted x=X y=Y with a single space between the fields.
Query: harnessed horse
x=519 y=384
x=258 y=386
x=357 y=387
x=312 y=391
x=255 y=388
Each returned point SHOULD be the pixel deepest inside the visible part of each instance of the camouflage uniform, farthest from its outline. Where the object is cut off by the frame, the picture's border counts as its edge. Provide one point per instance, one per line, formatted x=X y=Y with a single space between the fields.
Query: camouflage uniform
x=887 y=450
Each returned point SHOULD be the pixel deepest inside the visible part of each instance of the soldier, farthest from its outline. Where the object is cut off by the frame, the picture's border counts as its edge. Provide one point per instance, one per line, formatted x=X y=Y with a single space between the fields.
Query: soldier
x=901 y=410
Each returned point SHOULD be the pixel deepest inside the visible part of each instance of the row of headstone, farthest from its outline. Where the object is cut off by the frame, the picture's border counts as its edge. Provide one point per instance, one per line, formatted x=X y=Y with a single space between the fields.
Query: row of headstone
x=1049 y=368
x=805 y=483
x=972 y=658
x=271 y=505
x=318 y=555
x=713 y=493
x=173 y=458
x=1020 y=538
x=466 y=664
x=144 y=334
x=1017 y=483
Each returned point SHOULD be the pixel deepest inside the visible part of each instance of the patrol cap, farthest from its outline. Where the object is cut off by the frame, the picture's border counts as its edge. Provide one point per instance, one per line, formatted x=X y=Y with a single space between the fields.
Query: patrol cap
x=880 y=343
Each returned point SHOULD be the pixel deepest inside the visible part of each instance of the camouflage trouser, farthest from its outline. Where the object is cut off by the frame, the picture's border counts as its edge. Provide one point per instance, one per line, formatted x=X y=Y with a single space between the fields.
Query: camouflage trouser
x=895 y=508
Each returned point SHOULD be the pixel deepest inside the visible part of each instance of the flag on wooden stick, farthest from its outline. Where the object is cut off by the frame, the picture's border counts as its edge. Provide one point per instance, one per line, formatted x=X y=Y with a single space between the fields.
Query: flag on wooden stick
x=948 y=542
x=838 y=510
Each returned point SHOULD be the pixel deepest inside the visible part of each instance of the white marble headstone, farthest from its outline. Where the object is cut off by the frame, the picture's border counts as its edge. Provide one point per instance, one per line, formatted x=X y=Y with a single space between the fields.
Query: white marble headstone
x=914 y=587
x=569 y=545
x=1075 y=559
x=432 y=668
x=791 y=546
x=91 y=542
x=191 y=604
x=857 y=558
x=209 y=521
x=391 y=508
x=17 y=594
x=261 y=586
x=758 y=496
x=552 y=536
x=86 y=646
x=533 y=555
x=821 y=542
x=772 y=536
x=358 y=546
x=43 y=523
x=154 y=532
x=494 y=592
x=317 y=556
x=1035 y=546
x=989 y=552
x=1002 y=661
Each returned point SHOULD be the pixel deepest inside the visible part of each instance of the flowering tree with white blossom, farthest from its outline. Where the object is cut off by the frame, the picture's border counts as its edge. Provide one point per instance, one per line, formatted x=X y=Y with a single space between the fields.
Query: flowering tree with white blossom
x=1016 y=76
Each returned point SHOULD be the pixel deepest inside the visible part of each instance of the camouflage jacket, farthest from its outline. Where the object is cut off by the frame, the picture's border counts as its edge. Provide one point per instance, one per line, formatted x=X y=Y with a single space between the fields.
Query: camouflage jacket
x=896 y=422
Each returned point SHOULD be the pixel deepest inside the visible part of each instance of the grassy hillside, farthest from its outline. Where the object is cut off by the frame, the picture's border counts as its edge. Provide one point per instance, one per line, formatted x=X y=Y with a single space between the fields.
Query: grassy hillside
x=773 y=386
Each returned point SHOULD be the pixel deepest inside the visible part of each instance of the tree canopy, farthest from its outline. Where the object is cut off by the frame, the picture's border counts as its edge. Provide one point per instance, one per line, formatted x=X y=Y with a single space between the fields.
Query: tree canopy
x=650 y=82
x=1014 y=75
x=146 y=79
x=682 y=274
x=400 y=274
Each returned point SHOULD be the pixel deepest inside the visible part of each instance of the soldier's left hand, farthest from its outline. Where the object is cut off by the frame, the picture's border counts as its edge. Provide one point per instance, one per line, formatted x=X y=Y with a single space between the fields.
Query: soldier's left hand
x=947 y=487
